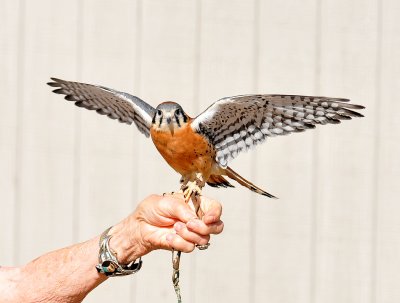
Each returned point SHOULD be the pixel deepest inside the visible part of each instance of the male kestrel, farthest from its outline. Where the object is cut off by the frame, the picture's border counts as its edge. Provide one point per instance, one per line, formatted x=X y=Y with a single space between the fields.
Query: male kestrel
x=200 y=148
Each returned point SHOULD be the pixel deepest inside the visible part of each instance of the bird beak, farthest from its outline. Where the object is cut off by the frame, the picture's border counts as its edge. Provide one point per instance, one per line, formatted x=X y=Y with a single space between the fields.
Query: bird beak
x=170 y=125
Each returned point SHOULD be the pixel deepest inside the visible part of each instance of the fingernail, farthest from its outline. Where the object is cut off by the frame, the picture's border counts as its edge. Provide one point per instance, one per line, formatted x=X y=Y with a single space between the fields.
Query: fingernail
x=178 y=226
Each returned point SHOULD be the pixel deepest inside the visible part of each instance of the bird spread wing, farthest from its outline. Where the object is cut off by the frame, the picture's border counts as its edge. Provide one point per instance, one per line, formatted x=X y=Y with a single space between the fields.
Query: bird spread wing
x=235 y=124
x=116 y=105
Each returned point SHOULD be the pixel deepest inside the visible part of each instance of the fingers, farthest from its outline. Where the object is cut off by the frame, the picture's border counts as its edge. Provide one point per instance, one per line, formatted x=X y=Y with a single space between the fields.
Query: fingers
x=182 y=230
x=212 y=210
x=178 y=243
x=210 y=224
x=172 y=224
x=175 y=207
x=200 y=227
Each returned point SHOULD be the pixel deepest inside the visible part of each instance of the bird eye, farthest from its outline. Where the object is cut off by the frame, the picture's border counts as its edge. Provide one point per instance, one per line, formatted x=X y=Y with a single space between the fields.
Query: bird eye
x=159 y=113
x=178 y=112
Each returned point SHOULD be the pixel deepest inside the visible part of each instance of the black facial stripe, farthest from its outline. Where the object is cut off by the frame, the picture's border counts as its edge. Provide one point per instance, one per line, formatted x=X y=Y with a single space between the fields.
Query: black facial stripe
x=177 y=121
x=161 y=118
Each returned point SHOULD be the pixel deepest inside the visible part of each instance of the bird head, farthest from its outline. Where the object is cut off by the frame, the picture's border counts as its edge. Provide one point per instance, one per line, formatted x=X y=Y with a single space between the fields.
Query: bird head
x=169 y=116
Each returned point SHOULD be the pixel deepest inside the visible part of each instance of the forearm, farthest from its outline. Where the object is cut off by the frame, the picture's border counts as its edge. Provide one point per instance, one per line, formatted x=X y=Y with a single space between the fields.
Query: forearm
x=69 y=274
x=65 y=275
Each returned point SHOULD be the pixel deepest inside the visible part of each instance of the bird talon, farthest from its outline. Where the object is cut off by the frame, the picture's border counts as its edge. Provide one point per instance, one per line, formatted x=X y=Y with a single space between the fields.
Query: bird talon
x=169 y=194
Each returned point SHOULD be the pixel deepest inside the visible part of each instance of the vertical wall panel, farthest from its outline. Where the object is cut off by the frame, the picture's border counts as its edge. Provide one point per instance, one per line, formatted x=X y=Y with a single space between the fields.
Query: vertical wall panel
x=46 y=146
x=107 y=147
x=66 y=173
x=345 y=154
x=9 y=65
x=284 y=165
x=167 y=74
x=225 y=70
x=388 y=164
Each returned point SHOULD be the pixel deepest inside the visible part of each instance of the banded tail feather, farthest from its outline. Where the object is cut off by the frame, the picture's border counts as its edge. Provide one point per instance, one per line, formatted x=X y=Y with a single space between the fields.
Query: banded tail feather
x=242 y=181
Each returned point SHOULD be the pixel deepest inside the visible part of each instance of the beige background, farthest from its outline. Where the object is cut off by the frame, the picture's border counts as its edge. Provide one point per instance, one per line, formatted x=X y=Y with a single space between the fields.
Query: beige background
x=66 y=174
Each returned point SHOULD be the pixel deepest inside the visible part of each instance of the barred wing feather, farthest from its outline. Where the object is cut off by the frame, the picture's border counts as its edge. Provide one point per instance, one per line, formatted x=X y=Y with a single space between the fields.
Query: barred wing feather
x=235 y=124
x=116 y=105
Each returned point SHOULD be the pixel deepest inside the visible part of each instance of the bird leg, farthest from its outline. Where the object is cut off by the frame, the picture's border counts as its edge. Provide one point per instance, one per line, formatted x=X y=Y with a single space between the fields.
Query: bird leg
x=191 y=191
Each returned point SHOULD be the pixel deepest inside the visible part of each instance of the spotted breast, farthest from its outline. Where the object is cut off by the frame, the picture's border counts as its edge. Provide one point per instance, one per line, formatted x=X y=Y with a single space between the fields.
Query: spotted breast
x=184 y=150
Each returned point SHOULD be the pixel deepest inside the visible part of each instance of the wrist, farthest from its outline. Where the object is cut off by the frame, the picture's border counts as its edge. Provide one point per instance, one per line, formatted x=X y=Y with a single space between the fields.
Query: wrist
x=126 y=241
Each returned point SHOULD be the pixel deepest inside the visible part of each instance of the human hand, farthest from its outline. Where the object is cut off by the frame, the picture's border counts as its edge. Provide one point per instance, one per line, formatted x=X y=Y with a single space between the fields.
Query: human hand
x=165 y=222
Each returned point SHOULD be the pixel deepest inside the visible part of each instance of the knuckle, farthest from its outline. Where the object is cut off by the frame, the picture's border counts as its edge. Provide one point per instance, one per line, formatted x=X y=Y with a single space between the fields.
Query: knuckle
x=189 y=248
x=204 y=240
x=204 y=231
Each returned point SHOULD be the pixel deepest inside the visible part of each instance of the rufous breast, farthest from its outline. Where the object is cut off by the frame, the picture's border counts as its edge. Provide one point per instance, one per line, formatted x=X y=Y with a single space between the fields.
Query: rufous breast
x=186 y=151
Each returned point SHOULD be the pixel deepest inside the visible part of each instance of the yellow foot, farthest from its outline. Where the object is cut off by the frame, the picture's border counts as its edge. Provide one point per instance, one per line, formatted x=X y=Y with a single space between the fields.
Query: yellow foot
x=191 y=189
x=191 y=194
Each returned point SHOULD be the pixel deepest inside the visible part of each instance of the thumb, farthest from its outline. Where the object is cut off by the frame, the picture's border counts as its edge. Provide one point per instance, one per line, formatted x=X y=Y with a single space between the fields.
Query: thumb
x=175 y=207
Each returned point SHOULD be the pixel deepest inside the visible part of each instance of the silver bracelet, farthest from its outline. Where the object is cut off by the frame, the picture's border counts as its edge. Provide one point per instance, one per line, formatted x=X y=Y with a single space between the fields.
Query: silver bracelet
x=108 y=263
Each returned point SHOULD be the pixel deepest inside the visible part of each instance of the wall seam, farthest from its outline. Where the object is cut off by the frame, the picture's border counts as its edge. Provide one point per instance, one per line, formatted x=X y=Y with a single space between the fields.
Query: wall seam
x=253 y=163
x=375 y=209
x=196 y=108
x=137 y=89
x=77 y=129
x=19 y=134
x=314 y=174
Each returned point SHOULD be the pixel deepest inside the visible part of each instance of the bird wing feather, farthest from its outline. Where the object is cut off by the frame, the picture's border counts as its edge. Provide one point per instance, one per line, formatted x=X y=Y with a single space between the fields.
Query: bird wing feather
x=235 y=124
x=115 y=104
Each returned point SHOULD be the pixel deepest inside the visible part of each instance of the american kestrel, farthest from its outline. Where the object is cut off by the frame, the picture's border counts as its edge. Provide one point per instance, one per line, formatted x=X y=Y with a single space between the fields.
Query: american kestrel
x=200 y=148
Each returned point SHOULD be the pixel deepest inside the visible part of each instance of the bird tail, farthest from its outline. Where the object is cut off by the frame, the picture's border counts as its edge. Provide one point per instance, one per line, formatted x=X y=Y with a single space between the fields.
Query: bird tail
x=218 y=181
x=242 y=181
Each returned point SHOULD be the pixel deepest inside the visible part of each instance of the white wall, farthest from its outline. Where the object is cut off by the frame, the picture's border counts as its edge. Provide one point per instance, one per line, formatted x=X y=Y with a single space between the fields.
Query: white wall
x=66 y=174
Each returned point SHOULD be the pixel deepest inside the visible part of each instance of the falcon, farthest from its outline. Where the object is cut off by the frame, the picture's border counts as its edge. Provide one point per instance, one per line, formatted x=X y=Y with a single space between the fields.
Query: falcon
x=200 y=148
